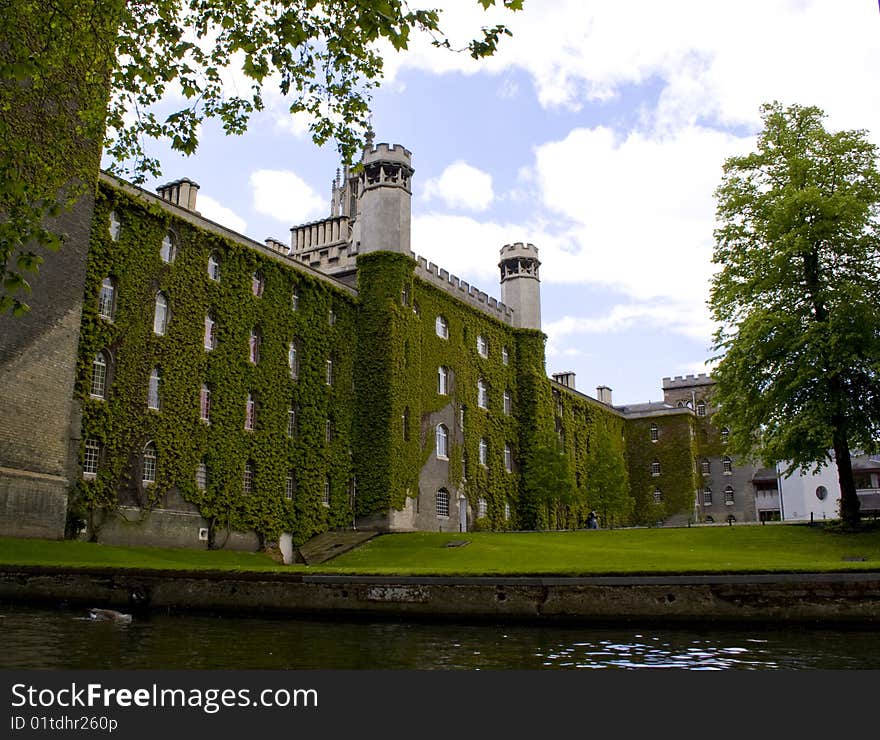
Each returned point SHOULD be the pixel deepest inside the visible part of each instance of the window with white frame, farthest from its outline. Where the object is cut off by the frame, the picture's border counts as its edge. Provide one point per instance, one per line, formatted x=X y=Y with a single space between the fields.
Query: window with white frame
x=482 y=507
x=99 y=376
x=247 y=486
x=205 y=404
x=160 y=314
x=254 y=346
x=655 y=432
x=250 y=413
x=115 y=226
x=91 y=456
x=328 y=375
x=461 y=415
x=328 y=431
x=655 y=468
x=258 y=282
x=202 y=476
x=658 y=496
x=728 y=496
x=725 y=435
x=484 y=452
x=291 y=420
x=707 y=497
x=107 y=299
x=482 y=346
x=404 y=295
x=293 y=358
x=441 y=327
x=705 y=466
x=331 y=317
x=727 y=465
x=210 y=339
x=508 y=458
x=505 y=356
x=214 y=267
x=442 y=381
x=153 y=389
x=168 y=250
x=290 y=486
x=441 y=502
x=506 y=511
x=508 y=403
x=150 y=463
x=701 y=408
x=442 y=446
x=482 y=394
x=325 y=497
x=294 y=299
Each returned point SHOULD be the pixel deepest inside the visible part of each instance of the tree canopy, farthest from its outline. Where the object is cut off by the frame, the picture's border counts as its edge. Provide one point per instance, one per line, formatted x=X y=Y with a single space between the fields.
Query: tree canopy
x=83 y=71
x=797 y=296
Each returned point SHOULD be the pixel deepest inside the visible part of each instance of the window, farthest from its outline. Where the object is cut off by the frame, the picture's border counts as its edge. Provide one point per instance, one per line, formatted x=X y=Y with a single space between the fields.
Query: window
x=331 y=317
x=291 y=421
x=168 y=250
x=205 y=404
x=482 y=346
x=248 y=480
x=482 y=394
x=153 y=388
x=707 y=497
x=328 y=376
x=290 y=486
x=506 y=511
x=461 y=412
x=325 y=497
x=655 y=468
x=99 y=376
x=107 y=299
x=404 y=296
x=705 y=466
x=293 y=358
x=508 y=458
x=115 y=226
x=484 y=452
x=482 y=507
x=442 y=381
x=257 y=284
x=328 y=431
x=441 y=502
x=150 y=462
x=202 y=476
x=727 y=465
x=725 y=434
x=728 y=496
x=442 y=328
x=508 y=403
x=658 y=496
x=821 y=493
x=404 y=421
x=505 y=356
x=214 y=267
x=701 y=408
x=250 y=412
x=655 y=432
x=210 y=339
x=160 y=315
x=91 y=455
x=254 y=346
x=442 y=442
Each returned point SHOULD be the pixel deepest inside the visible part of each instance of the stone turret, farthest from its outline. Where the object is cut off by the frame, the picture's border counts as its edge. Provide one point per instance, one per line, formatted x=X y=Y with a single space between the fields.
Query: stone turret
x=384 y=186
x=520 y=284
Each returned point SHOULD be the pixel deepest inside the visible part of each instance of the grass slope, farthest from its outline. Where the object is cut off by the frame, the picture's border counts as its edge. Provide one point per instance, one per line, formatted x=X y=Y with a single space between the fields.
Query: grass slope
x=752 y=549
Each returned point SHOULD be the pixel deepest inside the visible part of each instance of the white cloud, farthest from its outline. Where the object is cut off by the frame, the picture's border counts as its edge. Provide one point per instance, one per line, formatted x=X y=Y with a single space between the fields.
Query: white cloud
x=220 y=214
x=461 y=186
x=286 y=197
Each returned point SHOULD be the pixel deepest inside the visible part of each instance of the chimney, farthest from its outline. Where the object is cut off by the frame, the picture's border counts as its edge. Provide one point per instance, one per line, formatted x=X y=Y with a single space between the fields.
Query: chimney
x=181 y=193
x=603 y=394
x=566 y=378
x=276 y=245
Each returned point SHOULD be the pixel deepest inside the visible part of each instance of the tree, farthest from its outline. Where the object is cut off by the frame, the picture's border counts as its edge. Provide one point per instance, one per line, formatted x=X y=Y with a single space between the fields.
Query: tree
x=549 y=487
x=607 y=484
x=798 y=297
x=75 y=56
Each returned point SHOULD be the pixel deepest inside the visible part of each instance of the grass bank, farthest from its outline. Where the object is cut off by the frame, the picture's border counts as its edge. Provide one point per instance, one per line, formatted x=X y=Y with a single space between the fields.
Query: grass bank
x=738 y=549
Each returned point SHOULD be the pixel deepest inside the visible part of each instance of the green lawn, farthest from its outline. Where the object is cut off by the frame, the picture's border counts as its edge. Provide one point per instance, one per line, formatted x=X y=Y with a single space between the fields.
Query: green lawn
x=694 y=550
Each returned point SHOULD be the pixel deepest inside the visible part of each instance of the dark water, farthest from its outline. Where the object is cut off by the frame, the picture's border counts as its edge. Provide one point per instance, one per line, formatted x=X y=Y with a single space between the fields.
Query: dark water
x=67 y=639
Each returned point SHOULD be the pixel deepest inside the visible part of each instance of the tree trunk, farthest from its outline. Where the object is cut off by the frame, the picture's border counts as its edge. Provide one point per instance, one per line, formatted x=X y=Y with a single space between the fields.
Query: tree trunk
x=849 y=499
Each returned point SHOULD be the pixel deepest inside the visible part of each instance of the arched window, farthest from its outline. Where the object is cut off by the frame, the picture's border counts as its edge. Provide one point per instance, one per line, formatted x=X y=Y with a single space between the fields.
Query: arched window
x=655 y=468
x=705 y=467
x=442 y=328
x=290 y=486
x=508 y=458
x=160 y=315
x=727 y=465
x=482 y=394
x=325 y=497
x=655 y=432
x=168 y=250
x=291 y=420
x=153 y=386
x=328 y=375
x=658 y=496
x=728 y=496
x=482 y=507
x=107 y=299
x=442 y=381
x=293 y=358
x=250 y=412
x=484 y=452
x=248 y=478
x=701 y=408
x=99 y=376
x=202 y=476
x=214 y=267
x=91 y=456
x=482 y=346
x=707 y=497
x=442 y=442
x=205 y=404
x=254 y=346
x=441 y=502
x=115 y=226
x=210 y=340
x=257 y=284
x=508 y=403
x=725 y=435
x=150 y=462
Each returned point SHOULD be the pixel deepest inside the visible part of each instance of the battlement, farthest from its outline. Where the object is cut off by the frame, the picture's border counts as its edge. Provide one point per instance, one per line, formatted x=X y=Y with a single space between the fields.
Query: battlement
x=518 y=249
x=316 y=234
x=472 y=296
x=387 y=152
x=686 y=381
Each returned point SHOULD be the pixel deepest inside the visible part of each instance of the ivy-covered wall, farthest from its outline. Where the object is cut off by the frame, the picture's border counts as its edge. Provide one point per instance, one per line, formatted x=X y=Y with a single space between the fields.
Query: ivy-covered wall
x=123 y=424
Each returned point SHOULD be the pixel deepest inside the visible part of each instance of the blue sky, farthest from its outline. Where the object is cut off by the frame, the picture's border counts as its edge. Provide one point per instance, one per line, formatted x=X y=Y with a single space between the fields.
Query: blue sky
x=597 y=133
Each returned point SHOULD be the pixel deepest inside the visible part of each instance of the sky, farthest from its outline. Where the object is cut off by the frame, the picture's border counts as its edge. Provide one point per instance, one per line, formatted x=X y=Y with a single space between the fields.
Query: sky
x=597 y=133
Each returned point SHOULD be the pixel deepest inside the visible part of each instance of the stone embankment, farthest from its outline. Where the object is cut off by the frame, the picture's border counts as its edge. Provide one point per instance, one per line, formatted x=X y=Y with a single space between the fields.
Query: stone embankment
x=759 y=597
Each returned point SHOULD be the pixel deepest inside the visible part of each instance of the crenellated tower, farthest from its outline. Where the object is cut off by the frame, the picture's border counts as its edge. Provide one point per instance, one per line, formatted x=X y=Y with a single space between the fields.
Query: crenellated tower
x=384 y=186
x=520 y=284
